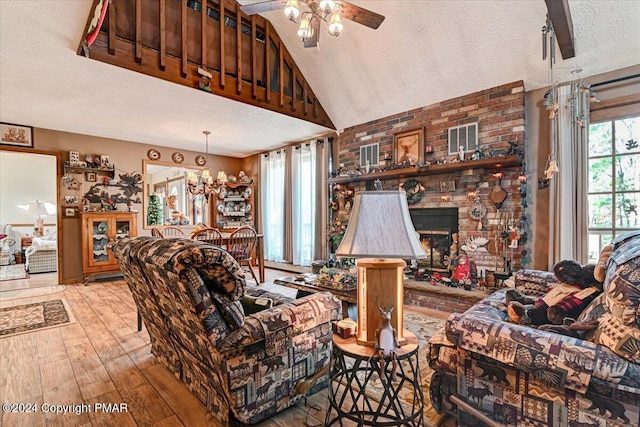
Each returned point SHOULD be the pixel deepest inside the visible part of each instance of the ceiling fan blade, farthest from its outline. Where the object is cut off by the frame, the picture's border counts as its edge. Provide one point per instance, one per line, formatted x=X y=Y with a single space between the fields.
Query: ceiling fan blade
x=315 y=38
x=260 y=7
x=360 y=15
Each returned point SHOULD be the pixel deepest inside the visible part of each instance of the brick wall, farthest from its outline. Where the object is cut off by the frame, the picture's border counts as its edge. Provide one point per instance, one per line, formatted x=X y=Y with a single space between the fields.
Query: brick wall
x=499 y=112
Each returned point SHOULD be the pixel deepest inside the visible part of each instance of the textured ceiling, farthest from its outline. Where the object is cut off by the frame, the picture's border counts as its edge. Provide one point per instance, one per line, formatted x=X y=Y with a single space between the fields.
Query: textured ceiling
x=424 y=52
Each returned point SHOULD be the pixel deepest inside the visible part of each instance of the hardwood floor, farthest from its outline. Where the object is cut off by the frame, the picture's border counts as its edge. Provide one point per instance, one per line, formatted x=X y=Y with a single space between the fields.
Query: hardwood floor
x=34 y=281
x=103 y=359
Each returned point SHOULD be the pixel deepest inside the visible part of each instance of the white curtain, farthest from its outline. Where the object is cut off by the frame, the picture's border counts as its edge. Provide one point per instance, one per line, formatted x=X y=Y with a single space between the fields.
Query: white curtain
x=303 y=184
x=272 y=171
x=568 y=198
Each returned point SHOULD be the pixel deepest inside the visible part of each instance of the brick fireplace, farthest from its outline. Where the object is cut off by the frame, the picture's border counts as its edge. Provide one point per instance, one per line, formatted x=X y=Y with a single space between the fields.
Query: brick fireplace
x=499 y=112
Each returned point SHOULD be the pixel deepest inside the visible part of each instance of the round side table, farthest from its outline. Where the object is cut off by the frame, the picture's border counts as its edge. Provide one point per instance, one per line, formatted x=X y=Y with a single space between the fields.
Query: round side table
x=353 y=368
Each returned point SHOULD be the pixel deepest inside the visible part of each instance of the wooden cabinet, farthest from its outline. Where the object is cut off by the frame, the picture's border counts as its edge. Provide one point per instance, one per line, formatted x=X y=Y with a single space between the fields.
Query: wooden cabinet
x=99 y=229
x=234 y=205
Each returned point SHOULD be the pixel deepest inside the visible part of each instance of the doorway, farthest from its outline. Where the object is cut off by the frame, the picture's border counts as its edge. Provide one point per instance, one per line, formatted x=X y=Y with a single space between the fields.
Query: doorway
x=29 y=221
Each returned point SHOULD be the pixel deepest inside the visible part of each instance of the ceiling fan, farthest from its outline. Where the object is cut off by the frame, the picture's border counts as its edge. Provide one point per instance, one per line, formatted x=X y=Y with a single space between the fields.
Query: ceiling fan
x=329 y=11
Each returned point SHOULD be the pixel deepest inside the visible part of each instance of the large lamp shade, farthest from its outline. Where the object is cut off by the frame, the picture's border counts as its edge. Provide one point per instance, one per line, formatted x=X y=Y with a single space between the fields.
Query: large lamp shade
x=381 y=235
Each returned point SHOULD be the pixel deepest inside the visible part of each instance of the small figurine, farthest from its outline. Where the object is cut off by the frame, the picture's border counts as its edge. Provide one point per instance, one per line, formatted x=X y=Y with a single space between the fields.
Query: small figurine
x=386 y=343
x=204 y=83
x=462 y=271
x=461 y=153
x=514 y=236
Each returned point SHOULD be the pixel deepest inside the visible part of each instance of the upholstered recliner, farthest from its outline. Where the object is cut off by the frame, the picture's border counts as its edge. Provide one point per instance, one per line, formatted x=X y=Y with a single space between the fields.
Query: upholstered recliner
x=518 y=375
x=241 y=367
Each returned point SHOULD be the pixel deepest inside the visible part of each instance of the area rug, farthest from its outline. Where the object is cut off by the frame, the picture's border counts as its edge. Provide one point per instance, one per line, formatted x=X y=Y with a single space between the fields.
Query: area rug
x=33 y=317
x=30 y=292
x=13 y=272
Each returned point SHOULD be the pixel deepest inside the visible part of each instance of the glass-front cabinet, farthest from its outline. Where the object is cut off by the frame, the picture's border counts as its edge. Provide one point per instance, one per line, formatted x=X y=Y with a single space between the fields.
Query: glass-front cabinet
x=99 y=230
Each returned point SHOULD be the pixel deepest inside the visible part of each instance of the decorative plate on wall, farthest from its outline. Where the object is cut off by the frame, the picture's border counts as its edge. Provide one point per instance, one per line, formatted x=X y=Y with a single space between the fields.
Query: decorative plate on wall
x=201 y=161
x=153 y=154
x=177 y=157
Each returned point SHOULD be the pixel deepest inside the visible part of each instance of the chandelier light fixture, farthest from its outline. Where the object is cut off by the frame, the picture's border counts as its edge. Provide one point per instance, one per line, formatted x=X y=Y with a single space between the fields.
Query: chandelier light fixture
x=203 y=183
x=310 y=17
x=328 y=11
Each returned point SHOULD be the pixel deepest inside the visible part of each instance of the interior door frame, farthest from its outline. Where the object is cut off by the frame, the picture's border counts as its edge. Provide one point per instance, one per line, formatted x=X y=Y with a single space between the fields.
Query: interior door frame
x=59 y=237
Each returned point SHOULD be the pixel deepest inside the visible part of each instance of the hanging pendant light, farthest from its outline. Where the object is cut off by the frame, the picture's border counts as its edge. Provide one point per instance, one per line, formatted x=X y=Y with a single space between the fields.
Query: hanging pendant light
x=305 y=31
x=203 y=183
x=327 y=6
x=335 y=25
x=291 y=10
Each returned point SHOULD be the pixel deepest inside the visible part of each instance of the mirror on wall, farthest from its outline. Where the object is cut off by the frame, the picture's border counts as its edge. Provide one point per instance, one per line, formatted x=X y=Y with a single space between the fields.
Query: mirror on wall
x=166 y=198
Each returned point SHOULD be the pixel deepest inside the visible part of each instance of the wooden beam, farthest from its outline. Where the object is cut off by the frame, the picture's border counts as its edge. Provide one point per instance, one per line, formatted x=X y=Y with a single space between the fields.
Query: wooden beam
x=183 y=32
x=112 y=28
x=138 y=31
x=203 y=32
x=293 y=89
x=267 y=60
x=304 y=97
x=163 y=34
x=223 y=71
x=238 y=48
x=254 y=59
x=281 y=72
x=560 y=16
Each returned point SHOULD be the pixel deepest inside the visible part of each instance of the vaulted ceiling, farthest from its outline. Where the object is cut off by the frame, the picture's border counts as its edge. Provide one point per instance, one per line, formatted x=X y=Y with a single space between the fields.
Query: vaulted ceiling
x=424 y=52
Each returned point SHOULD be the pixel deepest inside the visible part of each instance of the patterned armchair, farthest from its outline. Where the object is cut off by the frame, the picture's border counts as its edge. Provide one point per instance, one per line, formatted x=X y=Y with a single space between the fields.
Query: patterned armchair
x=518 y=375
x=241 y=367
x=6 y=242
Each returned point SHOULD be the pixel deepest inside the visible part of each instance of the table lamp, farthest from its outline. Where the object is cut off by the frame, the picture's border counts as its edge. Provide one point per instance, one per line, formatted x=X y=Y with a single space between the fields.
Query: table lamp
x=381 y=236
x=39 y=209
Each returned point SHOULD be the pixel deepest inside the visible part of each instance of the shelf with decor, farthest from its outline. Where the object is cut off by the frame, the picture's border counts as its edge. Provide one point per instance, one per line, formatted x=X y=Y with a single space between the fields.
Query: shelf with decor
x=234 y=205
x=437 y=169
x=81 y=169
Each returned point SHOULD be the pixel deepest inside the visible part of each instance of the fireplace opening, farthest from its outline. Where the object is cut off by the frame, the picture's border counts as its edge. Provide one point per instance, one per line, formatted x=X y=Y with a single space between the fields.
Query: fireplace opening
x=435 y=227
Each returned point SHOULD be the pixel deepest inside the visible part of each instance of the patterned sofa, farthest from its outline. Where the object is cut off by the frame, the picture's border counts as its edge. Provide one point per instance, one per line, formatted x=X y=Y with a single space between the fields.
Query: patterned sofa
x=518 y=375
x=243 y=368
x=42 y=255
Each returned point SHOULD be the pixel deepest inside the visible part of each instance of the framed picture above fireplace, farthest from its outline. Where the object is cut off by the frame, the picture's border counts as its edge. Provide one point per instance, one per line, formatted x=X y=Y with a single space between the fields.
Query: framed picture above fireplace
x=408 y=146
x=447 y=185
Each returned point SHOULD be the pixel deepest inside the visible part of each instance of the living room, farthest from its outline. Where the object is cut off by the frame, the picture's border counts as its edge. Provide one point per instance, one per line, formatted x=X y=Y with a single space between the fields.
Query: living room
x=501 y=192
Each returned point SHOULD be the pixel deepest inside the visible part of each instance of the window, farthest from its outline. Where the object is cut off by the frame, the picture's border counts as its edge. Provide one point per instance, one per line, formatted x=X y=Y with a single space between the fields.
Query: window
x=273 y=172
x=370 y=153
x=465 y=136
x=613 y=181
x=304 y=203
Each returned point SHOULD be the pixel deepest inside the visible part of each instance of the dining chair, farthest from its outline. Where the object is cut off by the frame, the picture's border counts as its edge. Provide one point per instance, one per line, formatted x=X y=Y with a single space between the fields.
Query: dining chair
x=241 y=245
x=156 y=232
x=209 y=235
x=172 y=232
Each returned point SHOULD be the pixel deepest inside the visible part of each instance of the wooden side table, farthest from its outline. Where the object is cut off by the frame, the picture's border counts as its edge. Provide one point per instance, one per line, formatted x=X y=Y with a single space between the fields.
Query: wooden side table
x=354 y=366
x=25 y=242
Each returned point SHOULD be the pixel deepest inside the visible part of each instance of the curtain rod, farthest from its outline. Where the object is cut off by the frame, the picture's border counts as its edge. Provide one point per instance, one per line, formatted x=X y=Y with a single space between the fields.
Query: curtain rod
x=621 y=79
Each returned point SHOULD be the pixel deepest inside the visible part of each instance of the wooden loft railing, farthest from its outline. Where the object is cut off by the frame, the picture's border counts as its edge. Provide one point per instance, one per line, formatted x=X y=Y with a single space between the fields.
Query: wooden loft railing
x=171 y=39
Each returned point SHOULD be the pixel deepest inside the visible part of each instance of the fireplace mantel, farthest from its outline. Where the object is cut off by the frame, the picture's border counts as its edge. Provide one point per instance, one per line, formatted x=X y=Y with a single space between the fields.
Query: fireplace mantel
x=494 y=163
